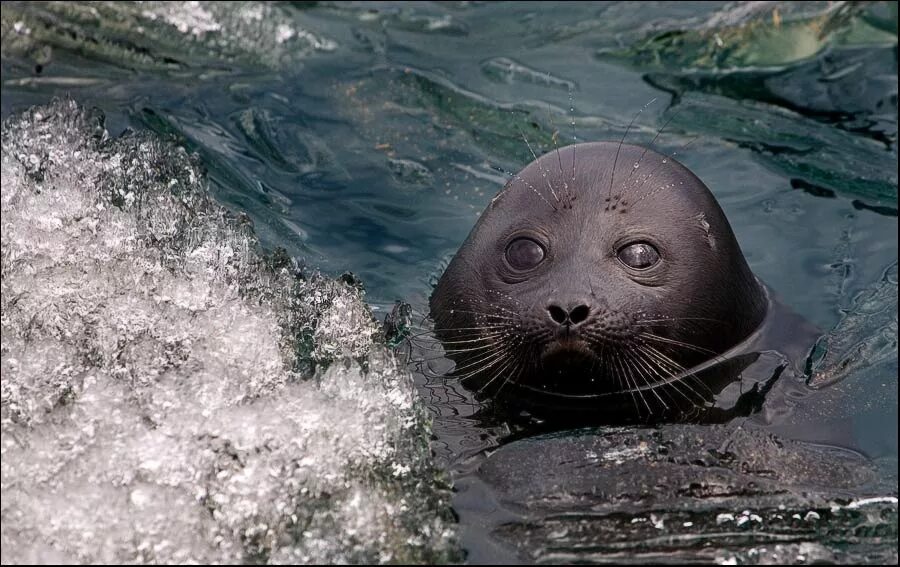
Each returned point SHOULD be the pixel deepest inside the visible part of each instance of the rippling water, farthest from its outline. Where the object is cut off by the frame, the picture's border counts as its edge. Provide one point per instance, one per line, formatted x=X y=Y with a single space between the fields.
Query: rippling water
x=367 y=137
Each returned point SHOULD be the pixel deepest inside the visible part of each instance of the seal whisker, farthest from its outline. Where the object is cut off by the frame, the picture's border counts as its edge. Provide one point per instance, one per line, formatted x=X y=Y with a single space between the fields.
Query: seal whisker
x=682 y=382
x=494 y=313
x=650 y=145
x=475 y=326
x=460 y=332
x=443 y=351
x=504 y=296
x=661 y=357
x=641 y=390
x=679 y=320
x=491 y=363
x=627 y=387
x=490 y=357
x=618 y=360
x=432 y=330
x=612 y=176
x=453 y=347
x=621 y=377
x=540 y=167
x=509 y=175
x=676 y=369
x=429 y=359
x=686 y=380
x=509 y=377
x=457 y=332
x=665 y=378
x=663 y=162
x=624 y=386
x=647 y=383
x=567 y=200
x=512 y=360
x=538 y=193
x=517 y=177
x=660 y=377
x=652 y=337
x=489 y=315
x=477 y=349
x=470 y=341
x=496 y=374
x=687 y=377
x=574 y=132
x=463 y=340
x=663 y=374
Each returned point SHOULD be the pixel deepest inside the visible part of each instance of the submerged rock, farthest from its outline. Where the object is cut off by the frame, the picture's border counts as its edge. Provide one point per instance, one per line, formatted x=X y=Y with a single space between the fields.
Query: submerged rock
x=162 y=36
x=170 y=393
x=687 y=494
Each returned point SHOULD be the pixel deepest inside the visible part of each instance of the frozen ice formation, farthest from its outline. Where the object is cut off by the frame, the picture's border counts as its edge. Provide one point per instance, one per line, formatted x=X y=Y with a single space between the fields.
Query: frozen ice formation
x=170 y=393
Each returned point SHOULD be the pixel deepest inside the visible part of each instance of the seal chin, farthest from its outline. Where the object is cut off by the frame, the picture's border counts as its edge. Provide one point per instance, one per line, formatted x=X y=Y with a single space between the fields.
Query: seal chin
x=569 y=366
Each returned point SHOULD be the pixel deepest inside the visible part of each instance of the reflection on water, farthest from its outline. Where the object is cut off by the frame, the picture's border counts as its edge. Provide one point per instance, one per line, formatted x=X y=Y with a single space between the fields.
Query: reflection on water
x=368 y=137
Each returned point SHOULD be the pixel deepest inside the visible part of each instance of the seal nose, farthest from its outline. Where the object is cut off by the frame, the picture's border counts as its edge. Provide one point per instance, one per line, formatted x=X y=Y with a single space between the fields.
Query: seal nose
x=574 y=316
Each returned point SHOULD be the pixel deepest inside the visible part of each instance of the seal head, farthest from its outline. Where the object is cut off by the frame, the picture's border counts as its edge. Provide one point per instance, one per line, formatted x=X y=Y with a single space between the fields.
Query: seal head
x=600 y=268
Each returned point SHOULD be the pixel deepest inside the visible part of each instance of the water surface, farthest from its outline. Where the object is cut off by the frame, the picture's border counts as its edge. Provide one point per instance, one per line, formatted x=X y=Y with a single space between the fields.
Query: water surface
x=367 y=137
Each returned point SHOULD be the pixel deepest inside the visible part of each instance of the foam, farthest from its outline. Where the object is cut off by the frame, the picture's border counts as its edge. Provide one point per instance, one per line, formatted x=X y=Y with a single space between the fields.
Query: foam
x=172 y=394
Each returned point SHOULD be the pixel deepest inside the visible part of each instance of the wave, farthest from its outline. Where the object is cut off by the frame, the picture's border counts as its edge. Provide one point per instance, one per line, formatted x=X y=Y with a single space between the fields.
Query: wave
x=171 y=392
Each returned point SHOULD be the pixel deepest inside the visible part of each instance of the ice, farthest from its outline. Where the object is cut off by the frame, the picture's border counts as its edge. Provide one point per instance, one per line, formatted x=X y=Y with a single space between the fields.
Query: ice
x=170 y=393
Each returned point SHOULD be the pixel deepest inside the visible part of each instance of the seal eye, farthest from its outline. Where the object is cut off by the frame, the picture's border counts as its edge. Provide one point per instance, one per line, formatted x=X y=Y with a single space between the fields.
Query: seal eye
x=638 y=256
x=524 y=254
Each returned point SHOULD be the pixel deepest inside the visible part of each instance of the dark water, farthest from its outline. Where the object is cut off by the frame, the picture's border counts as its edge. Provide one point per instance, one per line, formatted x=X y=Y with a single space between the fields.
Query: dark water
x=368 y=136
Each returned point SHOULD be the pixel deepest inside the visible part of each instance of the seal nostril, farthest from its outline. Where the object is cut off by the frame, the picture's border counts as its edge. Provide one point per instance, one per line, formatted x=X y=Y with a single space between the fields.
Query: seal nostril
x=579 y=314
x=558 y=314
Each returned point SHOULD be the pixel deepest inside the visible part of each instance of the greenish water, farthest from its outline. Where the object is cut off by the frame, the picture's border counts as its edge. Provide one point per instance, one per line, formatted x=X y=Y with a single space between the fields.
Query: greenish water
x=367 y=137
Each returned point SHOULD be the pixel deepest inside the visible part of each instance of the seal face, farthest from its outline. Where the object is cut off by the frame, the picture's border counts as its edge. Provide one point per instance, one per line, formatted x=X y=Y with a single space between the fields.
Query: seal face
x=599 y=269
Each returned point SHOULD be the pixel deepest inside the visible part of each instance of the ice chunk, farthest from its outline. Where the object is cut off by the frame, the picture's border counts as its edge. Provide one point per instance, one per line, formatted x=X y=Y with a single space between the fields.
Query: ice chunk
x=170 y=393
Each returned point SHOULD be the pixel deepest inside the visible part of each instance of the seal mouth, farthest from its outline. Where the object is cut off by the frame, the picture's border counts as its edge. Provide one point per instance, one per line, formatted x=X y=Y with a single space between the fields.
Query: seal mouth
x=549 y=391
x=570 y=366
x=566 y=346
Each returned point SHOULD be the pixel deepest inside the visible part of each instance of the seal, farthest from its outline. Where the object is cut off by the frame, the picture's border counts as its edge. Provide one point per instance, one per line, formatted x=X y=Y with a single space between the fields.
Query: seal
x=603 y=276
